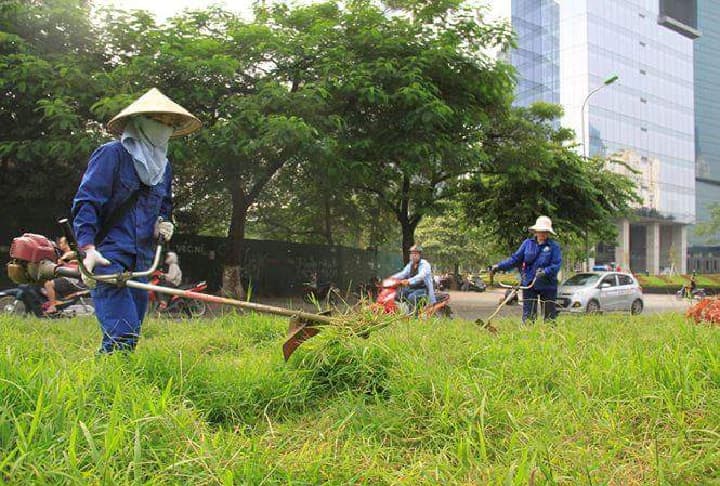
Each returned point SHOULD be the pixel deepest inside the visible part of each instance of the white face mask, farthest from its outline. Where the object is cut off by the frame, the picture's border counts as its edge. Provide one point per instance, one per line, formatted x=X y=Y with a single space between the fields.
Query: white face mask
x=147 y=142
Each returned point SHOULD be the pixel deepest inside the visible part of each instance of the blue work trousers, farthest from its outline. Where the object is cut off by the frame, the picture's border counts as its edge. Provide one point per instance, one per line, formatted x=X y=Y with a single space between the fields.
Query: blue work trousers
x=413 y=296
x=120 y=311
x=548 y=298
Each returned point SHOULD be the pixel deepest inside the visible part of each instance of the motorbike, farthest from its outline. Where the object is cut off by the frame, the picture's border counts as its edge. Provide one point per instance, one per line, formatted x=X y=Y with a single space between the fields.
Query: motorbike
x=26 y=299
x=314 y=291
x=388 y=301
x=697 y=294
x=178 y=306
x=477 y=285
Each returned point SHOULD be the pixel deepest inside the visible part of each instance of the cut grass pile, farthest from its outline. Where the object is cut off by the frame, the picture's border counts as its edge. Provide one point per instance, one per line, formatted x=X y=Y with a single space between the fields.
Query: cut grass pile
x=618 y=399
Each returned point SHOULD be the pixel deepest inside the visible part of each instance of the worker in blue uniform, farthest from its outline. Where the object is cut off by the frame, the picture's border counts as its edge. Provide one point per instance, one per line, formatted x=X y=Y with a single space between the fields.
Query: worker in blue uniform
x=123 y=205
x=539 y=259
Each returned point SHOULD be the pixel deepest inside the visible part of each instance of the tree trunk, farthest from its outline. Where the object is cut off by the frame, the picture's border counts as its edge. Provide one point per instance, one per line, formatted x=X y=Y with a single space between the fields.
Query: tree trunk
x=407 y=222
x=328 y=220
x=408 y=238
x=232 y=271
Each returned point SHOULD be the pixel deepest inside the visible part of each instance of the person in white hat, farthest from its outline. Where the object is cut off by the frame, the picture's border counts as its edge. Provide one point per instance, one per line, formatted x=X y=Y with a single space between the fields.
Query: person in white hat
x=124 y=204
x=538 y=256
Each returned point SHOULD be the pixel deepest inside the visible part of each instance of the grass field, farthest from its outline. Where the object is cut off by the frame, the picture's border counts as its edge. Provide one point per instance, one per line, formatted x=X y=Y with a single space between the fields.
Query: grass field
x=594 y=400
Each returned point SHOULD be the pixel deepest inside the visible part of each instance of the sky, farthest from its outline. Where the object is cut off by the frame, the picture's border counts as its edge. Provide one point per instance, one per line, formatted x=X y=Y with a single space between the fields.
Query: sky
x=162 y=9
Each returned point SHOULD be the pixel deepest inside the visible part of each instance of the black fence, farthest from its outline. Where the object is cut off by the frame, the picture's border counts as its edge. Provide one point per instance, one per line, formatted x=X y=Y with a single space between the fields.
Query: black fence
x=271 y=268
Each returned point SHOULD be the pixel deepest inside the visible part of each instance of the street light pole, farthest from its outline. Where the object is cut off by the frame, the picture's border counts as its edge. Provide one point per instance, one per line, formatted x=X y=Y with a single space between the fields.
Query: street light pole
x=607 y=82
x=586 y=149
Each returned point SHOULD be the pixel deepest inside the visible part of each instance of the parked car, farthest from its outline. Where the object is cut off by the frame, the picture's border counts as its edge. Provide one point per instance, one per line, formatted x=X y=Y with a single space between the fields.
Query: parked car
x=593 y=292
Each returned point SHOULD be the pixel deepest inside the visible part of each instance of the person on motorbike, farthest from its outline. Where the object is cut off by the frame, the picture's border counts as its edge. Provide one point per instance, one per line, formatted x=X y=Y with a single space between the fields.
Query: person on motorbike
x=172 y=278
x=541 y=257
x=416 y=279
x=62 y=286
x=123 y=204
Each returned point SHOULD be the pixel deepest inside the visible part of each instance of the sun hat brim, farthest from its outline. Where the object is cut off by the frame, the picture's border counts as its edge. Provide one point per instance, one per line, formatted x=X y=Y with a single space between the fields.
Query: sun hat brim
x=542 y=228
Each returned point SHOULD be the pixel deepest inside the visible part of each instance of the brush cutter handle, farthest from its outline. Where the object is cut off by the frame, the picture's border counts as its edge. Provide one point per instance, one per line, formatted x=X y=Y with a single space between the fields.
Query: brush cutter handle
x=121 y=276
x=518 y=287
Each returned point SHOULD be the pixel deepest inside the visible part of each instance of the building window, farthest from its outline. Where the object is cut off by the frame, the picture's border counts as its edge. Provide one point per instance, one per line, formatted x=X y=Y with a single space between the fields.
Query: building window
x=643 y=129
x=643 y=100
x=642 y=71
x=642 y=44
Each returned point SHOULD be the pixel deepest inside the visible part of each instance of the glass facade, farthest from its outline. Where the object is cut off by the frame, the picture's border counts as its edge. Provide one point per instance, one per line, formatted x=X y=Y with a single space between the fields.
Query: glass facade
x=650 y=110
x=707 y=113
x=537 y=56
x=567 y=48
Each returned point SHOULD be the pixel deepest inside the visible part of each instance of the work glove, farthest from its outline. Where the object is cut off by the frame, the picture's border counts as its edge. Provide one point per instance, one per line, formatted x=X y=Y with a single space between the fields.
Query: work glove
x=164 y=229
x=92 y=258
x=494 y=269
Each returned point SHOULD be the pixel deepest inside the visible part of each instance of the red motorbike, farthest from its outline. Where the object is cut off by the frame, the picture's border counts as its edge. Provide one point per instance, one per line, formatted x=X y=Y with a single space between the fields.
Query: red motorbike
x=178 y=306
x=388 y=301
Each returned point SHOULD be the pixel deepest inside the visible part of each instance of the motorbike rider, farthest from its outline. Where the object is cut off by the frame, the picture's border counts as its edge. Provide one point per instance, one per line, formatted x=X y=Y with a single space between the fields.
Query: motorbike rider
x=416 y=279
x=693 y=283
x=537 y=256
x=123 y=203
x=62 y=285
x=172 y=278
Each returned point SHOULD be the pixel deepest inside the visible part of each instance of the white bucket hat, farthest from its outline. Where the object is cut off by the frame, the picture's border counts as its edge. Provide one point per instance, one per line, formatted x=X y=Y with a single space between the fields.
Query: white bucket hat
x=155 y=103
x=543 y=223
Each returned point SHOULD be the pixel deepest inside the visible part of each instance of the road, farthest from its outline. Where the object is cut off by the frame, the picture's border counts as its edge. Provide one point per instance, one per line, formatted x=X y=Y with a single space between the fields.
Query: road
x=471 y=305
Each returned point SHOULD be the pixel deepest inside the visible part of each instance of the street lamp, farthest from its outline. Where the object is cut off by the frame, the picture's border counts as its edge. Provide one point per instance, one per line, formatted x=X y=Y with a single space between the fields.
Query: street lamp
x=586 y=150
x=607 y=82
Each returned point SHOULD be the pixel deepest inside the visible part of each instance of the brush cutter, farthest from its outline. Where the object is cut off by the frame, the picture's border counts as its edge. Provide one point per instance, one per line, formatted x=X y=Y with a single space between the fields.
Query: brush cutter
x=514 y=289
x=33 y=261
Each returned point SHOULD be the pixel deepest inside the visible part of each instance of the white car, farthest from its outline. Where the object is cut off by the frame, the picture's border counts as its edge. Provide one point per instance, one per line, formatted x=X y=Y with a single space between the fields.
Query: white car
x=593 y=292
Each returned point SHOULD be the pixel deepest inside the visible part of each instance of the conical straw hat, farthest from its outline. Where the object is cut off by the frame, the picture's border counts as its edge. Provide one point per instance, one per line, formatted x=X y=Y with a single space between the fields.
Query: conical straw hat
x=155 y=103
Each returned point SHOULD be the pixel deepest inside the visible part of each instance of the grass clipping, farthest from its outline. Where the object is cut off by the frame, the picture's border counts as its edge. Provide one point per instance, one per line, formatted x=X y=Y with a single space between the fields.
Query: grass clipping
x=707 y=311
x=363 y=320
x=336 y=361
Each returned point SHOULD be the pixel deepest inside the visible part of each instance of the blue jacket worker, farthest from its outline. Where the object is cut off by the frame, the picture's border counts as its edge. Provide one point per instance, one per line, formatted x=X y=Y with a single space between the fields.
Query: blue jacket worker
x=123 y=205
x=417 y=279
x=537 y=256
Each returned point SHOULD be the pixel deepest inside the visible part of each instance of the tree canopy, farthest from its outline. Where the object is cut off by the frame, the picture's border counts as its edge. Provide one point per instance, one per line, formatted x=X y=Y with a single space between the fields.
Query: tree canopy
x=338 y=123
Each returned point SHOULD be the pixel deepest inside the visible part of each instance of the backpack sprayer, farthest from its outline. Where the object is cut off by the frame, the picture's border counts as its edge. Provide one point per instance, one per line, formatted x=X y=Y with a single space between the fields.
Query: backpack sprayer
x=33 y=260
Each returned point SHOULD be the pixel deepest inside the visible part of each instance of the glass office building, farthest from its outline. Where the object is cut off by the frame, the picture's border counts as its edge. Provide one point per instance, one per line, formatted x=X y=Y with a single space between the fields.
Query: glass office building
x=707 y=114
x=567 y=48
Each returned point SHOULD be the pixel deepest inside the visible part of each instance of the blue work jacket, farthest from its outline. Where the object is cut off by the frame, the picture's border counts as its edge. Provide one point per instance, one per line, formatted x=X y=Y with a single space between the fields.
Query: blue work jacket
x=530 y=257
x=110 y=179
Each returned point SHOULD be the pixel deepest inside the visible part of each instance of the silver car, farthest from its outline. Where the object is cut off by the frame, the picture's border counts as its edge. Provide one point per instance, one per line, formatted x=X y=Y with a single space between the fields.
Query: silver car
x=599 y=292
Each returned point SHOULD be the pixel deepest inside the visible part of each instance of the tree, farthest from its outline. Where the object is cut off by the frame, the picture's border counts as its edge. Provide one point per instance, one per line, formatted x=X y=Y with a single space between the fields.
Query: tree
x=450 y=241
x=307 y=204
x=50 y=70
x=413 y=90
x=236 y=78
x=710 y=229
x=533 y=171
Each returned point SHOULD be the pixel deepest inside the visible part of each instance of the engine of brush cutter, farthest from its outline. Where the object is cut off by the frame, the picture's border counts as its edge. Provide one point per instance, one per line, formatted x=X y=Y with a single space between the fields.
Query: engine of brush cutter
x=32 y=259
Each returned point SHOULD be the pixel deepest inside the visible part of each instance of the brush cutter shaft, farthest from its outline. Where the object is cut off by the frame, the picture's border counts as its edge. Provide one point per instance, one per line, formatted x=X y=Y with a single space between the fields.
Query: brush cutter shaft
x=267 y=309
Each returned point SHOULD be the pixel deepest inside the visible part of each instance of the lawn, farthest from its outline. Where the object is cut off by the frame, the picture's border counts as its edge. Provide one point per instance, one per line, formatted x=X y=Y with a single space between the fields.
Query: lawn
x=591 y=400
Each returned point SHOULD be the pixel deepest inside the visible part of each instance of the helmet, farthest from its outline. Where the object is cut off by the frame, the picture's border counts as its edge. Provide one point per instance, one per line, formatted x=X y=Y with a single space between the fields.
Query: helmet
x=416 y=249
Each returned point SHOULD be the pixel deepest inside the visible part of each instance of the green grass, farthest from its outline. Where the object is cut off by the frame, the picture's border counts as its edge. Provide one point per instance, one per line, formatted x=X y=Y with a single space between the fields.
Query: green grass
x=592 y=400
x=677 y=281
